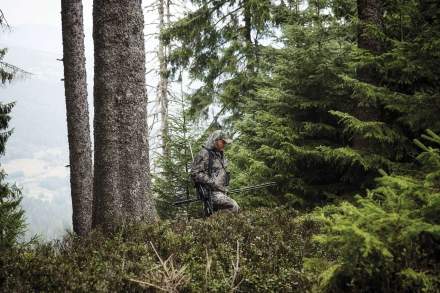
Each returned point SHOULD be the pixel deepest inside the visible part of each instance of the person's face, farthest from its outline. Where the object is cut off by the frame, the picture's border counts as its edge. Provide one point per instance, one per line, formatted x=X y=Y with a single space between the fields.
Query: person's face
x=220 y=145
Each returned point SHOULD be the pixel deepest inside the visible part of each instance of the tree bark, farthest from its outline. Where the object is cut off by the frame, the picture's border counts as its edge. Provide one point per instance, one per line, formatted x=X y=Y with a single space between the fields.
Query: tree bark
x=78 y=128
x=250 y=64
x=370 y=15
x=122 y=179
x=163 y=83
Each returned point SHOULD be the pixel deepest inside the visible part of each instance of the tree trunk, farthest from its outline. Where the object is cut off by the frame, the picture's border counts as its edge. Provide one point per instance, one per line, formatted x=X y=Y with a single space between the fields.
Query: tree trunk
x=250 y=64
x=163 y=83
x=370 y=15
x=78 y=128
x=122 y=177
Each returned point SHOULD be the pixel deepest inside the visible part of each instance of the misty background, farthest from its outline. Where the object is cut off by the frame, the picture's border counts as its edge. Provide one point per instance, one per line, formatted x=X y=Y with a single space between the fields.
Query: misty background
x=37 y=152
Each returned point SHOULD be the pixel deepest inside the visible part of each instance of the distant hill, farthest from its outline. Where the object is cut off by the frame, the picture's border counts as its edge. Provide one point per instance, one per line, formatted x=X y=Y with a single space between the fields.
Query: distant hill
x=37 y=152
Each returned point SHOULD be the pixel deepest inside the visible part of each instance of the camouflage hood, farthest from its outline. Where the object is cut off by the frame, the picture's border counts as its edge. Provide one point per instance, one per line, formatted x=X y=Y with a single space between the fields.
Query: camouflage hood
x=216 y=135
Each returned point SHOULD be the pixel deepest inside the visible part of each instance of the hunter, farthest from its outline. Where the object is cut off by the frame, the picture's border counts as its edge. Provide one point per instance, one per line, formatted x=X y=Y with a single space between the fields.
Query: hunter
x=210 y=169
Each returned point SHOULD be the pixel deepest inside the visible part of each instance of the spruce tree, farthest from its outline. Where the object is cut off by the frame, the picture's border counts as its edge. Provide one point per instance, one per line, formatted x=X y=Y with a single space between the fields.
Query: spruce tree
x=288 y=134
x=302 y=127
x=340 y=97
x=12 y=223
x=219 y=44
x=387 y=241
x=173 y=181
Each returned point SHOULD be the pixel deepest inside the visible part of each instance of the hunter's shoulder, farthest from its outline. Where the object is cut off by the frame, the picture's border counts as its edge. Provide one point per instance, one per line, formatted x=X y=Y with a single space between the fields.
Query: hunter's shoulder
x=203 y=152
x=202 y=155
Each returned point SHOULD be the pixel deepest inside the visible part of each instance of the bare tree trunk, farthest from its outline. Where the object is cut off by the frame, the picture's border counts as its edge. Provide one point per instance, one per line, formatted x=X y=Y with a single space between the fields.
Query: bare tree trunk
x=78 y=128
x=250 y=62
x=370 y=15
x=163 y=82
x=122 y=177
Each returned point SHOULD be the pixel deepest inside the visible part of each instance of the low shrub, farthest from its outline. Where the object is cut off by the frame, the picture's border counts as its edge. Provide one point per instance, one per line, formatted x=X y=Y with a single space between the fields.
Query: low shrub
x=254 y=251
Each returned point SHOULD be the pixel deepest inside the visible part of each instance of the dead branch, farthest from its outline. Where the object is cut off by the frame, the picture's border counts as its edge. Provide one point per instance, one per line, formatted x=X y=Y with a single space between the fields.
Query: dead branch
x=236 y=270
x=207 y=270
x=3 y=21
x=169 y=277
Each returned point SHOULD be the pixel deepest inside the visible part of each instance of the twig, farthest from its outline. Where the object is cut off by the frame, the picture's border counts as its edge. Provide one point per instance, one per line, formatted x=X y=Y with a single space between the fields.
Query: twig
x=148 y=284
x=236 y=268
x=169 y=277
x=3 y=19
x=207 y=269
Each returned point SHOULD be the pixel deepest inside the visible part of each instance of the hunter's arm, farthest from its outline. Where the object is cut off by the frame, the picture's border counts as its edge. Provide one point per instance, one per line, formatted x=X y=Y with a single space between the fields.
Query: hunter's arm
x=199 y=170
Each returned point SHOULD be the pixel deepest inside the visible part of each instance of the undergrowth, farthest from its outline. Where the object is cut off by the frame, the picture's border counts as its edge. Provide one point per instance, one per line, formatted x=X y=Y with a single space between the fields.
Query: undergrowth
x=255 y=251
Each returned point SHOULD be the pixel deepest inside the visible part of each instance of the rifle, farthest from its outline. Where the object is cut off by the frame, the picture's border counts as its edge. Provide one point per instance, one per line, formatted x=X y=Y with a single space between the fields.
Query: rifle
x=203 y=194
x=252 y=187
x=237 y=190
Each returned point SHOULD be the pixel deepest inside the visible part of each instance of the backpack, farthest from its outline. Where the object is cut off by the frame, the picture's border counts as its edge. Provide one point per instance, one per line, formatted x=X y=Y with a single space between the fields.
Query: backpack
x=210 y=163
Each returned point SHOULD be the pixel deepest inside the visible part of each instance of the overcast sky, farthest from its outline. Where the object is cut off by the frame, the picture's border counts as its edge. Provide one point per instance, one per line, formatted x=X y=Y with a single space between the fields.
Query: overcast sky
x=40 y=12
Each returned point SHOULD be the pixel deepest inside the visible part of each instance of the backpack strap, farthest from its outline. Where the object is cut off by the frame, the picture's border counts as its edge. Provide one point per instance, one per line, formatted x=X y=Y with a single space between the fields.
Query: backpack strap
x=211 y=159
x=210 y=162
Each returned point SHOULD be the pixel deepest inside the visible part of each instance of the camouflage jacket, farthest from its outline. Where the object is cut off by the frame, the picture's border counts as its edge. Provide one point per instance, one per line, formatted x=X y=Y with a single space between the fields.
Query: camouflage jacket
x=219 y=176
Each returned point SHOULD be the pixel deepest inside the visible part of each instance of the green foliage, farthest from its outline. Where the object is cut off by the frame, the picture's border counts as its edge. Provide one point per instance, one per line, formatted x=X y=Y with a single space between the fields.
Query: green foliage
x=288 y=128
x=218 y=42
x=5 y=109
x=260 y=251
x=6 y=74
x=12 y=223
x=7 y=71
x=11 y=215
x=388 y=241
x=173 y=181
x=317 y=128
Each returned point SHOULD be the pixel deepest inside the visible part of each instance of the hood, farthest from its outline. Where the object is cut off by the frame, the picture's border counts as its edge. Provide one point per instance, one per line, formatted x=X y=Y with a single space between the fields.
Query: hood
x=216 y=135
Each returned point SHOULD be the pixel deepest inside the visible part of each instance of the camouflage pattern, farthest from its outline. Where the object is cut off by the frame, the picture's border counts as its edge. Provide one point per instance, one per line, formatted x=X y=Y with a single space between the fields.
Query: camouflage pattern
x=217 y=183
x=221 y=201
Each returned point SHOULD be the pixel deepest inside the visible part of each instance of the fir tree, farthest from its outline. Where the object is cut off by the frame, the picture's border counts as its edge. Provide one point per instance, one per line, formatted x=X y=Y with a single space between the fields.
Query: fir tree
x=12 y=223
x=219 y=44
x=389 y=240
x=288 y=133
x=302 y=127
x=173 y=181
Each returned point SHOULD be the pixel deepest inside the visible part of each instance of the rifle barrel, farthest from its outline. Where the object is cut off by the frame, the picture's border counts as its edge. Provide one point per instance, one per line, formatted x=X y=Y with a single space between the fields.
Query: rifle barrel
x=185 y=201
x=243 y=189
x=254 y=187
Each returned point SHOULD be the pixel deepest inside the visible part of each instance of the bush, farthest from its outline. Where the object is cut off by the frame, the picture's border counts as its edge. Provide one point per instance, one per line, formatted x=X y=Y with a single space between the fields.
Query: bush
x=388 y=241
x=257 y=251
